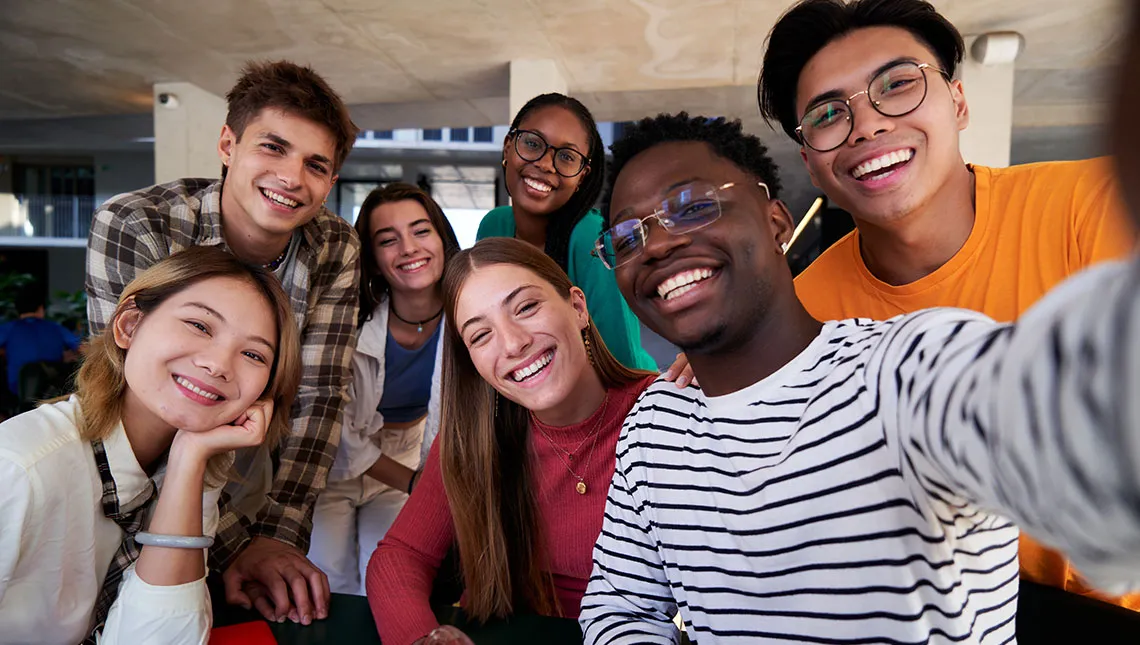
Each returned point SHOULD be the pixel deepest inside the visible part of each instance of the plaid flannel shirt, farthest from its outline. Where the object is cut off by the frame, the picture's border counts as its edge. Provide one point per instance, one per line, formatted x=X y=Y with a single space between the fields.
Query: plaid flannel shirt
x=132 y=231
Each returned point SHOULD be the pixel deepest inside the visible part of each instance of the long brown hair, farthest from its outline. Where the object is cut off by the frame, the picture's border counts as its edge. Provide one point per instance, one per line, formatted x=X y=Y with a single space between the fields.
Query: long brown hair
x=101 y=384
x=485 y=457
x=373 y=284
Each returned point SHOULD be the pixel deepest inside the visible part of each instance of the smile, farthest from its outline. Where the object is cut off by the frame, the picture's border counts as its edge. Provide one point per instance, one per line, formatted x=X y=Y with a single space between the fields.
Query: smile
x=413 y=266
x=540 y=363
x=883 y=165
x=682 y=283
x=540 y=186
x=204 y=393
x=279 y=198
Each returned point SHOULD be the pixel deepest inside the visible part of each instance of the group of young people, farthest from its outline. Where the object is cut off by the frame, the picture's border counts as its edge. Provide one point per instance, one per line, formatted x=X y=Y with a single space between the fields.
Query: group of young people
x=306 y=407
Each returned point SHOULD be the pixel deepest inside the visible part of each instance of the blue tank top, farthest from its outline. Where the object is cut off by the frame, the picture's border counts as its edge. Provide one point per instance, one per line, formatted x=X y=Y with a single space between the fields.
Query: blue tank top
x=407 y=379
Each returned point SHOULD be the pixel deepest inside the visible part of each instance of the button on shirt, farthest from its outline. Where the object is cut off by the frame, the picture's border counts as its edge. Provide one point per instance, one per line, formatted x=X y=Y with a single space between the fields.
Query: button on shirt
x=56 y=543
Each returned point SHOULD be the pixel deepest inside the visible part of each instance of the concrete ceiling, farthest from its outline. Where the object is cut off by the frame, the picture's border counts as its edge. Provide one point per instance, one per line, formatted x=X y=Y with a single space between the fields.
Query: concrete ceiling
x=444 y=62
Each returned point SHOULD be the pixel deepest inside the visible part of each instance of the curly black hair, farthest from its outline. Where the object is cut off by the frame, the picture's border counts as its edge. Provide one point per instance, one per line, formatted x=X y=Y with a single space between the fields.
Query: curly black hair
x=811 y=25
x=727 y=139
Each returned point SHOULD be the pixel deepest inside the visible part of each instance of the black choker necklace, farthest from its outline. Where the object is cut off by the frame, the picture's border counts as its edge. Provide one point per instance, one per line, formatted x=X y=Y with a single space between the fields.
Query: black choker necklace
x=420 y=324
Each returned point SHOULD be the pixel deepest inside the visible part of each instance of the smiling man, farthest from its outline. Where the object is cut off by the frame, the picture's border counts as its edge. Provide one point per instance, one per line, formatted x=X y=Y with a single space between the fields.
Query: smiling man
x=868 y=90
x=285 y=137
x=846 y=481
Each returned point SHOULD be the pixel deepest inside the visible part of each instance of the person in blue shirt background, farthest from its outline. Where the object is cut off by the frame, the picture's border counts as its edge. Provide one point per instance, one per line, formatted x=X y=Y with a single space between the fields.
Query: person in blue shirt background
x=31 y=338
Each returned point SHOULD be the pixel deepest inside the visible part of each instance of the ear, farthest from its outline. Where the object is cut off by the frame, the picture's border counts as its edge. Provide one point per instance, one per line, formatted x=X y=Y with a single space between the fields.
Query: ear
x=781 y=223
x=578 y=302
x=226 y=143
x=506 y=147
x=126 y=324
x=811 y=173
x=961 y=109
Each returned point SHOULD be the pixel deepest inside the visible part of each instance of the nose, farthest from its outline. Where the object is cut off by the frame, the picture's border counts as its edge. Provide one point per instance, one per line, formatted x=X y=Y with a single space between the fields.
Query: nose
x=660 y=243
x=289 y=171
x=516 y=339
x=542 y=163
x=408 y=245
x=867 y=122
x=216 y=360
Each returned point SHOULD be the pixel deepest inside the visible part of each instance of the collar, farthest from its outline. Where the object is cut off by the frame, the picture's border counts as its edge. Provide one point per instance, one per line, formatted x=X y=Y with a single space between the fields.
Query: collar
x=373 y=336
x=132 y=485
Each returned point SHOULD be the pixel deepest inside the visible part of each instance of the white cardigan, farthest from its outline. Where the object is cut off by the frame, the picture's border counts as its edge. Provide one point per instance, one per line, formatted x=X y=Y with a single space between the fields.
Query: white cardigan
x=360 y=431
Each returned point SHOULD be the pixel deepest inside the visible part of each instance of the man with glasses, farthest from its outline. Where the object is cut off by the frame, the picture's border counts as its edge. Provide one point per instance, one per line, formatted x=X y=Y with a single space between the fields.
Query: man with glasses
x=850 y=481
x=868 y=89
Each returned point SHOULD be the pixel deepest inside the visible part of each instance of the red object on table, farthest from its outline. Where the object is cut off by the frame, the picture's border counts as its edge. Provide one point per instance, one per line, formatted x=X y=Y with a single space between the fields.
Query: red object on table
x=252 y=633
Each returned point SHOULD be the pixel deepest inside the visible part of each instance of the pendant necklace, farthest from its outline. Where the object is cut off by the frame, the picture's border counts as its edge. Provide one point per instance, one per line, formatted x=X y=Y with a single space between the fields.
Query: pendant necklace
x=418 y=324
x=566 y=456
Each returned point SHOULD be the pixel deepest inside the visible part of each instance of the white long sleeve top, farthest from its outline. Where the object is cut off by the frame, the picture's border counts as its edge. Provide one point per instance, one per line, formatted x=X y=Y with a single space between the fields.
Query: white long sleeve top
x=56 y=543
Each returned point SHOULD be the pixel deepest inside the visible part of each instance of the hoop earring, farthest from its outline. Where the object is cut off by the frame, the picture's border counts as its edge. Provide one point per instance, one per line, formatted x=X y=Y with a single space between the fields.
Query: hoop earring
x=503 y=163
x=372 y=288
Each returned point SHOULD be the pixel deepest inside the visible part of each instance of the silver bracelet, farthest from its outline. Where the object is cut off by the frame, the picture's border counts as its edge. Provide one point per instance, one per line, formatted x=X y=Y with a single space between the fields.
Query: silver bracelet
x=173 y=541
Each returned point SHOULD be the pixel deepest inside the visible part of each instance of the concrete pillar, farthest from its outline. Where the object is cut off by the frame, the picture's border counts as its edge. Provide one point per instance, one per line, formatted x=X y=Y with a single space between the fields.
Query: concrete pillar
x=987 y=79
x=531 y=77
x=187 y=122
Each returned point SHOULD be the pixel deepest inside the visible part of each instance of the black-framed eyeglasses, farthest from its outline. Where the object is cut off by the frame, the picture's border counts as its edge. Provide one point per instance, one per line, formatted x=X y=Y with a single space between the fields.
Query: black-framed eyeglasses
x=686 y=209
x=897 y=91
x=531 y=146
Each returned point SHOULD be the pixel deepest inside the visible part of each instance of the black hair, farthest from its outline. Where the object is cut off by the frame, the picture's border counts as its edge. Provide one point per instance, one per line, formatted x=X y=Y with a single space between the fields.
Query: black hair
x=727 y=139
x=373 y=284
x=810 y=25
x=561 y=222
x=30 y=298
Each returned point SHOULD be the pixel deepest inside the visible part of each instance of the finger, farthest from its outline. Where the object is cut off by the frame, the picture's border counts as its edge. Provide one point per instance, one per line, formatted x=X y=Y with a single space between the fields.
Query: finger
x=235 y=595
x=279 y=593
x=299 y=586
x=319 y=582
x=261 y=603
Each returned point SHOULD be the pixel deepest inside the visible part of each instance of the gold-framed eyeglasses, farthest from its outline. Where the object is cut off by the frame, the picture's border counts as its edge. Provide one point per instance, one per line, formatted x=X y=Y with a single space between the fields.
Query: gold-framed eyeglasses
x=896 y=91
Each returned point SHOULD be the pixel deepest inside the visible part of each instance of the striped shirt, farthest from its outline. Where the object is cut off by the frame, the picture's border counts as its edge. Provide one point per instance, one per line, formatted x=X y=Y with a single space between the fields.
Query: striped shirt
x=133 y=231
x=865 y=491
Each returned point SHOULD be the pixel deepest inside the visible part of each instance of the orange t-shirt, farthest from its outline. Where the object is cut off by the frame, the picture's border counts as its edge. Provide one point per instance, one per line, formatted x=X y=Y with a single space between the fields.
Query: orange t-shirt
x=1034 y=226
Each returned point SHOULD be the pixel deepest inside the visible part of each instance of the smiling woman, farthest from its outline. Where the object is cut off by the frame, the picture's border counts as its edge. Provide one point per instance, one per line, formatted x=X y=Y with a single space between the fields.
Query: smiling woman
x=201 y=359
x=518 y=479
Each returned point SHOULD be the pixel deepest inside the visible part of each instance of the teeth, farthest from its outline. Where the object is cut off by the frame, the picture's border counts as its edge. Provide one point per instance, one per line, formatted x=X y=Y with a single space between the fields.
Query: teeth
x=537 y=185
x=280 y=199
x=682 y=283
x=190 y=386
x=412 y=266
x=884 y=161
x=538 y=364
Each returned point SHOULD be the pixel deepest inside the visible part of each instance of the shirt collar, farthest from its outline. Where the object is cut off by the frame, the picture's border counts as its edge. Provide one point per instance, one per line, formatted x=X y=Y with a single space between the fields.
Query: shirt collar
x=132 y=484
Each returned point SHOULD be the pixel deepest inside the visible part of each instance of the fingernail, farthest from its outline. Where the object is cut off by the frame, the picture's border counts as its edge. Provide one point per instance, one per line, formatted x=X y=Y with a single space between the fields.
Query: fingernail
x=667 y=374
x=306 y=619
x=280 y=619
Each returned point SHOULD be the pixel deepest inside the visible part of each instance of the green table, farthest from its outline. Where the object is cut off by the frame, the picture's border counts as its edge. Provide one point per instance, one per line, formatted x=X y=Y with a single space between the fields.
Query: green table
x=350 y=622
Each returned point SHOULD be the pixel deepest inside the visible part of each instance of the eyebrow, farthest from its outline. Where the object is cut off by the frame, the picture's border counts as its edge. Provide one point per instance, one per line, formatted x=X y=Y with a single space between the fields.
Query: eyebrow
x=284 y=143
x=216 y=314
x=392 y=229
x=506 y=301
x=629 y=212
x=567 y=144
x=841 y=94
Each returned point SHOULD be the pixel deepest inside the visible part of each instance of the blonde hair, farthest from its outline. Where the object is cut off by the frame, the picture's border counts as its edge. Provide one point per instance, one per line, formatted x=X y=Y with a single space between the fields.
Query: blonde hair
x=484 y=452
x=101 y=385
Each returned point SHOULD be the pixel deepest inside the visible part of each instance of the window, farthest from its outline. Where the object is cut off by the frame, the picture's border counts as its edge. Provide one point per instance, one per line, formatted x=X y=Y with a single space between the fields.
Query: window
x=433 y=134
x=460 y=134
x=383 y=134
x=482 y=135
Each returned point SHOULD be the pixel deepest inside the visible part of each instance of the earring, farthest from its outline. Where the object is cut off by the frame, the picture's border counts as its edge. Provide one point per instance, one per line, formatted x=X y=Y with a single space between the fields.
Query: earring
x=784 y=248
x=495 y=413
x=503 y=163
x=589 y=350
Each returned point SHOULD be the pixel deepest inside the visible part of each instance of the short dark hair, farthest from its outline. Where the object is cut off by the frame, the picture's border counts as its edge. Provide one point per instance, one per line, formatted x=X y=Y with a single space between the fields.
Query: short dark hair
x=373 y=284
x=30 y=298
x=727 y=139
x=561 y=222
x=296 y=90
x=810 y=25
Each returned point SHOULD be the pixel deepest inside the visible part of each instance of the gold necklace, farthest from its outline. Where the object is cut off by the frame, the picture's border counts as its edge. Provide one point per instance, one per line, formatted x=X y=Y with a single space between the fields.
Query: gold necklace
x=558 y=451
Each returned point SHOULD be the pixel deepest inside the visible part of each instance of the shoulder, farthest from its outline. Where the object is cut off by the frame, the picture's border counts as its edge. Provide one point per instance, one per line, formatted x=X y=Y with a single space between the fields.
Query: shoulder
x=37 y=435
x=498 y=222
x=816 y=286
x=1087 y=176
x=582 y=240
x=336 y=242
x=157 y=201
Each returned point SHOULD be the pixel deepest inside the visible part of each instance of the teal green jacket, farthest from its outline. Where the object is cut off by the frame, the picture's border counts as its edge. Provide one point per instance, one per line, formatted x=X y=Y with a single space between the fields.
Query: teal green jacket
x=616 y=323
